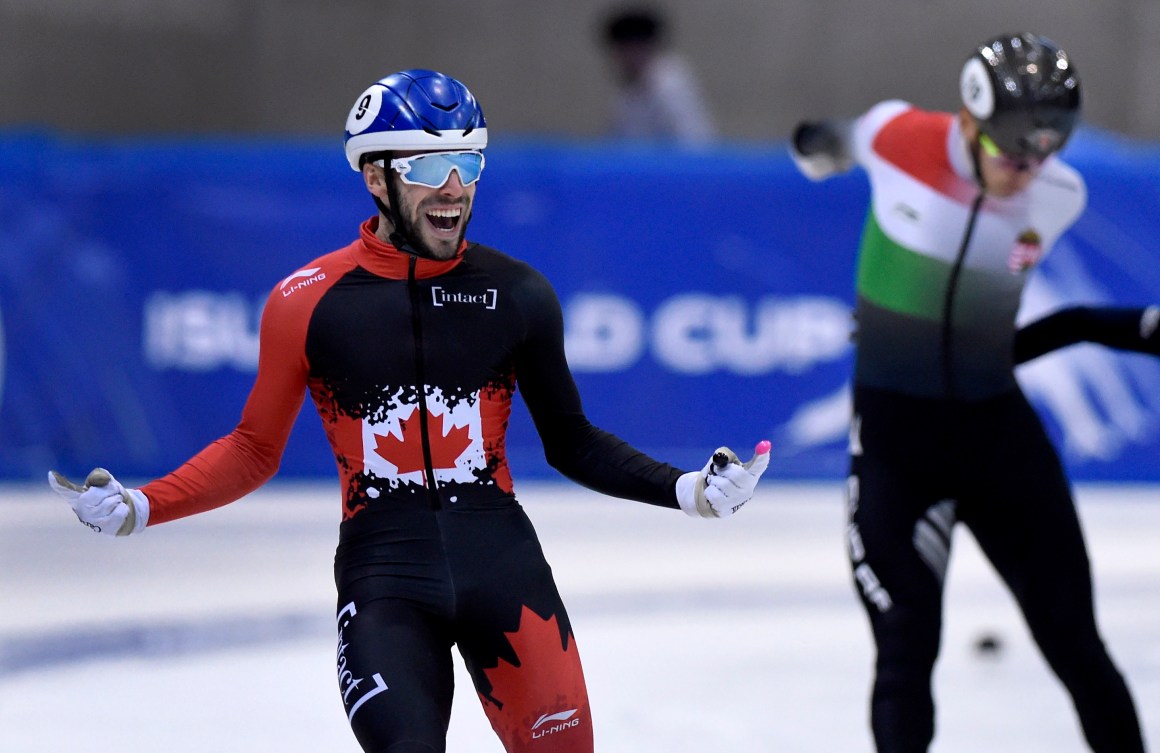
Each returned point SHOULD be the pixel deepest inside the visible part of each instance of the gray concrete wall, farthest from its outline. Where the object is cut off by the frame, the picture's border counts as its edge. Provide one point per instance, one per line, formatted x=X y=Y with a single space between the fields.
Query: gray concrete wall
x=295 y=66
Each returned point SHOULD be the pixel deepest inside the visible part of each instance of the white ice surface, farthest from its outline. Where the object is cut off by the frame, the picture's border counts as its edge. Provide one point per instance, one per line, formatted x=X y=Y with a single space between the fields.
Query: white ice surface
x=736 y=635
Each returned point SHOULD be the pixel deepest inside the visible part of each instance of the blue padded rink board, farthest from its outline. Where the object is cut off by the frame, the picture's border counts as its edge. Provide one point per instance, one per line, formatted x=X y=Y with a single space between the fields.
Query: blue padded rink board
x=215 y=633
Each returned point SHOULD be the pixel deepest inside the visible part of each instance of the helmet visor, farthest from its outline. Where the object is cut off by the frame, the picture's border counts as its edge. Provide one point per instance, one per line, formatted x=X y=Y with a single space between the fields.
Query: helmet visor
x=433 y=169
x=1020 y=163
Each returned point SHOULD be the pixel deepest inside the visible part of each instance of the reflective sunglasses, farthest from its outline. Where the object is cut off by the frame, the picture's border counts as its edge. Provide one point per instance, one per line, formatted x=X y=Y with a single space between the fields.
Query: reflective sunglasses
x=1016 y=164
x=433 y=169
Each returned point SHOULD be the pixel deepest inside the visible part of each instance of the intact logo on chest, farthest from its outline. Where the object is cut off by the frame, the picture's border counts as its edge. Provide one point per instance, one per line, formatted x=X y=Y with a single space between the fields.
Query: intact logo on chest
x=486 y=299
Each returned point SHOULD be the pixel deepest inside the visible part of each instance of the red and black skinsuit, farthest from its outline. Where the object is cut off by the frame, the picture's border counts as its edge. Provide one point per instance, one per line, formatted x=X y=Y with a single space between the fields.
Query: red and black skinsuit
x=412 y=364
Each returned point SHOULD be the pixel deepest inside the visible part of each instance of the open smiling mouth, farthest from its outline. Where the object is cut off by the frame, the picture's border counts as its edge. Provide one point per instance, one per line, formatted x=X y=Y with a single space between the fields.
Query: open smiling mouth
x=444 y=219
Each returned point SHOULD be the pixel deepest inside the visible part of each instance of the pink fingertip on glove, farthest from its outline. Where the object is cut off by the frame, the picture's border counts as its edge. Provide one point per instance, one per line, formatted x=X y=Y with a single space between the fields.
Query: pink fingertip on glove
x=763 y=447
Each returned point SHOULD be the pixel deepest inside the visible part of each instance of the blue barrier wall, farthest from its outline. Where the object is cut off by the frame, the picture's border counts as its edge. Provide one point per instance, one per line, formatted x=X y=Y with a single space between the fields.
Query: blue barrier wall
x=707 y=296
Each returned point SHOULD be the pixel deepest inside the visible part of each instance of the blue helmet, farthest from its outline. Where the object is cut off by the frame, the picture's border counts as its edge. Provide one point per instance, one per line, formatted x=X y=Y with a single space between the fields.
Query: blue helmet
x=414 y=109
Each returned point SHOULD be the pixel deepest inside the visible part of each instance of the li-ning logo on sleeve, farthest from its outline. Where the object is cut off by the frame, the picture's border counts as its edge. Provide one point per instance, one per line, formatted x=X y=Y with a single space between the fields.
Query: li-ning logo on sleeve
x=301 y=279
x=563 y=720
x=443 y=297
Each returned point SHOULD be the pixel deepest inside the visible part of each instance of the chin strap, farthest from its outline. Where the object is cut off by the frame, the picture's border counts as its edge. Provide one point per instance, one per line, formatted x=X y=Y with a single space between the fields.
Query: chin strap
x=397 y=238
x=977 y=163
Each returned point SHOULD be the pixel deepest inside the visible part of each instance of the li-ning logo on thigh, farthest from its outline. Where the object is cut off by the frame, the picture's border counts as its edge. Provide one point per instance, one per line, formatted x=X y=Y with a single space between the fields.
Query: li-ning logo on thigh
x=443 y=297
x=563 y=720
x=347 y=682
x=932 y=537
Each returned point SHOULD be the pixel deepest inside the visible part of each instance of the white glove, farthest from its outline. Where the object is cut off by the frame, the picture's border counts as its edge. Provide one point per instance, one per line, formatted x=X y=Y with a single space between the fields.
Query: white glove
x=724 y=485
x=103 y=504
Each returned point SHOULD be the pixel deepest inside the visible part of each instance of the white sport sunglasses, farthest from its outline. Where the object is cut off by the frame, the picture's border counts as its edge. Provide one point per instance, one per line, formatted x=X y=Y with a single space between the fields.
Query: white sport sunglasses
x=433 y=169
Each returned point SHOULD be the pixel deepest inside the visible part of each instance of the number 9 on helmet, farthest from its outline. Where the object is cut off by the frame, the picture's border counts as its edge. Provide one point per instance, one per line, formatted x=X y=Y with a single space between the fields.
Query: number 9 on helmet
x=415 y=109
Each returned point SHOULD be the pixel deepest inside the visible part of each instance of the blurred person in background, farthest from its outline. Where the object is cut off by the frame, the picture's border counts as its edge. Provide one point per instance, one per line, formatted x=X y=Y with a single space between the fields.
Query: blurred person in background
x=963 y=207
x=411 y=342
x=657 y=94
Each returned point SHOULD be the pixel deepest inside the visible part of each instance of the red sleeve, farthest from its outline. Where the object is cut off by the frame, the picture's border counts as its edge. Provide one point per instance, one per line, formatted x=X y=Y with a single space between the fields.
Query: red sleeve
x=247 y=457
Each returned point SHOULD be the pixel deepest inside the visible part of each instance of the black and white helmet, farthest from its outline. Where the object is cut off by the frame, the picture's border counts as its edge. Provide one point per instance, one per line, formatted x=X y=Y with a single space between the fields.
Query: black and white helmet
x=1023 y=92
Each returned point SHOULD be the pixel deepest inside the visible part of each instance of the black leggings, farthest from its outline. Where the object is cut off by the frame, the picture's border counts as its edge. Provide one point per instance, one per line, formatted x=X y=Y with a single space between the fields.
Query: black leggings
x=919 y=465
x=418 y=583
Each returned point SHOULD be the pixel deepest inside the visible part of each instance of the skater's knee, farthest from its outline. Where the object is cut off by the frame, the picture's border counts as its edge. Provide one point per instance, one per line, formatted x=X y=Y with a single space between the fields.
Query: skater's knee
x=907 y=639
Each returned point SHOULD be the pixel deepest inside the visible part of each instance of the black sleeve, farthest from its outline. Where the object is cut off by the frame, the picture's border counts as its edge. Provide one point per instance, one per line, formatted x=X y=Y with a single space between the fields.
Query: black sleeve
x=1133 y=329
x=584 y=453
